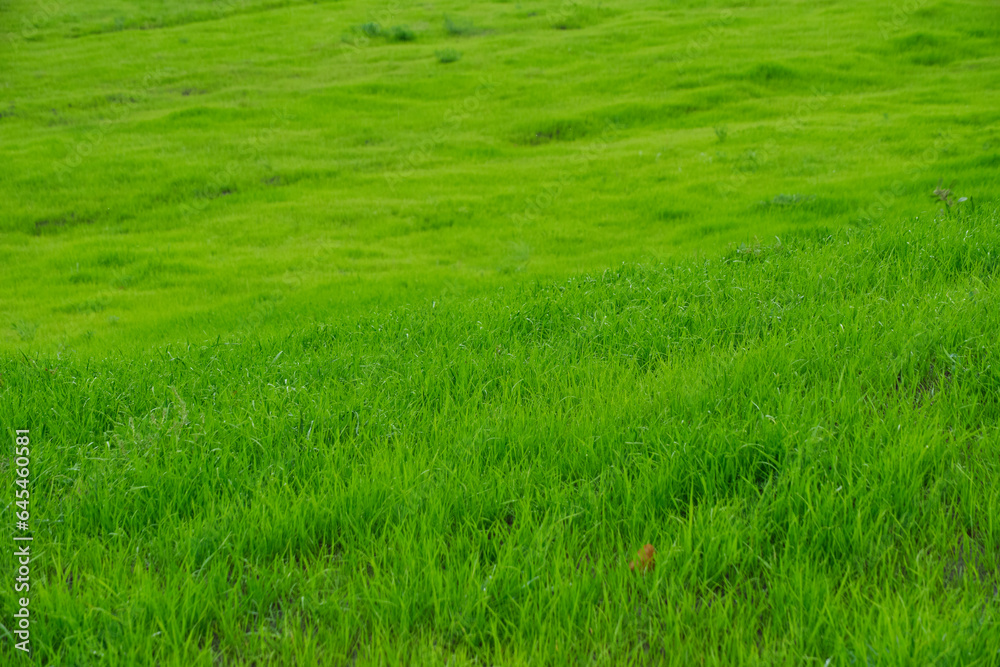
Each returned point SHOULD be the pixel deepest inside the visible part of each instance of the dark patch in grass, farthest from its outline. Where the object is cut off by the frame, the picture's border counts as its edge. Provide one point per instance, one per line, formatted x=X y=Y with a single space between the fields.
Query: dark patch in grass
x=640 y=115
x=46 y=222
x=919 y=41
x=991 y=161
x=430 y=223
x=497 y=532
x=460 y=27
x=214 y=192
x=634 y=115
x=57 y=119
x=930 y=384
x=703 y=231
x=669 y=214
x=446 y=56
x=800 y=207
x=784 y=200
x=115 y=259
x=53 y=225
x=934 y=59
x=210 y=117
x=363 y=253
x=370 y=29
x=564 y=129
x=402 y=33
x=768 y=73
x=970 y=558
x=373 y=30
x=89 y=306
x=574 y=16
x=625 y=116
x=124 y=281
x=926 y=49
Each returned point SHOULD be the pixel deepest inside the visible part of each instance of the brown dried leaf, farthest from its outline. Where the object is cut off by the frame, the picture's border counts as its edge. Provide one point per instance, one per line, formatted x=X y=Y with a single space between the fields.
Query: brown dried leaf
x=644 y=560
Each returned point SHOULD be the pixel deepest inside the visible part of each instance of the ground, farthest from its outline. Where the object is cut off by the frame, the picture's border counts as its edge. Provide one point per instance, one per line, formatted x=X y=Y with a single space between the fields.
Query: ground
x=354 y=334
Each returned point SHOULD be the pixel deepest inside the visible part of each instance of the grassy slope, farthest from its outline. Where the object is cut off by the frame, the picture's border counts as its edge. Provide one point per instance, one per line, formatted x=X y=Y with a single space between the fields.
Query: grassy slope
x=178 y=171
x=805 y=429
x=806 y=432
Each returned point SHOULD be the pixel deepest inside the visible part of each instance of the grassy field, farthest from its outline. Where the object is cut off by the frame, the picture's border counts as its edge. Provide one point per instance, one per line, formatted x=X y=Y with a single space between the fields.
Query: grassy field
x=387 y=334
x=177 y=172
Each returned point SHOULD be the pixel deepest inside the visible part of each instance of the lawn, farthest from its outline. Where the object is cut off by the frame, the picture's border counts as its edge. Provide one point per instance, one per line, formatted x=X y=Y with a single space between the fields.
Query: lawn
x=388 y=334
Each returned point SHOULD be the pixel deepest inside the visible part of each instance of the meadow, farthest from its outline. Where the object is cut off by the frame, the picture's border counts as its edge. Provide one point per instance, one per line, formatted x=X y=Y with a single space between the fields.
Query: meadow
x=387 y=334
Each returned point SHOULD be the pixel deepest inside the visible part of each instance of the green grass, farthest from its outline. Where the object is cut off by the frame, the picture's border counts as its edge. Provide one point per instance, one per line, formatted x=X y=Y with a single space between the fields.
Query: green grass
x=337 y=353
x=223 y=160
x=806 y=432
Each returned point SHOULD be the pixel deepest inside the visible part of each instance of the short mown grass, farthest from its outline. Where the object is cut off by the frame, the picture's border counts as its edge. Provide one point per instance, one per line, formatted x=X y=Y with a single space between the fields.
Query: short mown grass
x=320 y=152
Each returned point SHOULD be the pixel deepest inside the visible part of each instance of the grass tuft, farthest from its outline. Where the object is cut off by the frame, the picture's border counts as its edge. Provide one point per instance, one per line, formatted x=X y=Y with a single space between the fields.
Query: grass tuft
x=448 y=55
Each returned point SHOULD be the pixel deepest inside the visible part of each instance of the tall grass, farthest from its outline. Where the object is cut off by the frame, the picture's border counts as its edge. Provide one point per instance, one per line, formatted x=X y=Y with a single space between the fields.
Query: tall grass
x=805 y=430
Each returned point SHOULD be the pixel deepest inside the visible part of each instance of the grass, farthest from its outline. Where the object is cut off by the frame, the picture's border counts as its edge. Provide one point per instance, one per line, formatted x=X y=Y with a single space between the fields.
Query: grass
x=805 y=431
x=331 y=354
x=448 y=55
x=330 y=175
x=460 y=27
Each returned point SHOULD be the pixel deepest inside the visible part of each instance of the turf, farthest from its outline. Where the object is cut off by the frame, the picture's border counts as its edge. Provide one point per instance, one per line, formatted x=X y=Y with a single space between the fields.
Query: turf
x=354 y=335
x=805 y=432
x=180 y=171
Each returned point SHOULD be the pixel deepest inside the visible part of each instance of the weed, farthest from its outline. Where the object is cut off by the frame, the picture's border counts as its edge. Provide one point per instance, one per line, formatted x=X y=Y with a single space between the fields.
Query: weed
x=943 y=195
x=460 y=27
x=749 y=162
x=373 y=30
x=783 y=200
x=402 y=33
x=370 y=29
x=447 y=55
x=25 y=330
